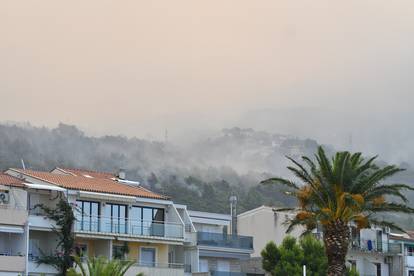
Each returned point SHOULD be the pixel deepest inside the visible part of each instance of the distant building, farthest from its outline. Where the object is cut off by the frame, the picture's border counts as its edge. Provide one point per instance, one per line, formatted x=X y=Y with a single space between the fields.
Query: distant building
x=403 y=246
x=220 y=253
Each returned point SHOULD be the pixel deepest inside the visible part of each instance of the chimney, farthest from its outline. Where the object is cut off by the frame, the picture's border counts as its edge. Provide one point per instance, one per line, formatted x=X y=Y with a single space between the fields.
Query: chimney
x=233 y=213
x=121 y=174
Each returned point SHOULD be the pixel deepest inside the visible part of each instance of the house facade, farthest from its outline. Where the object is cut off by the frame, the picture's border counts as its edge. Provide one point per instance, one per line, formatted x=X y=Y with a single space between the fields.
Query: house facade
x=115 y=218
x=369 y=250
x=220 y=252
x=403 y=247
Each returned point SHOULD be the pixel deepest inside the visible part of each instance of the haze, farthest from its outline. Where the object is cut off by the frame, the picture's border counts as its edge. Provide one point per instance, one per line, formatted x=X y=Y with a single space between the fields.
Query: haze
x=323 y=69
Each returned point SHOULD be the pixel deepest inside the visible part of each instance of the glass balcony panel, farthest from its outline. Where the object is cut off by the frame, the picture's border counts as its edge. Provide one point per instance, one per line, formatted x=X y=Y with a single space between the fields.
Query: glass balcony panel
x=225 y=240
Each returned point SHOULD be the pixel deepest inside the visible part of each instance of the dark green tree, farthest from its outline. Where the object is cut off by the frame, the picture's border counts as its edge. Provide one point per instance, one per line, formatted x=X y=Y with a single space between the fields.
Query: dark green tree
x=64 y=218
x=270 y=256
x=283 y=260
x=313 y=256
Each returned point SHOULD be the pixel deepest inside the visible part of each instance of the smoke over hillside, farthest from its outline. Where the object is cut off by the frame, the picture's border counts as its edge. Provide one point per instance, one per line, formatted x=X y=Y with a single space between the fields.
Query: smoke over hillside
x=202 y=174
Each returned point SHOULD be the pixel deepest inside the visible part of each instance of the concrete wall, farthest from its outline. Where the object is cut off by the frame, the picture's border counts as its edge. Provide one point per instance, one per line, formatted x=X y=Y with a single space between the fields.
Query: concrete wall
x=18 y=197
x=365 y=262
x=271 y=228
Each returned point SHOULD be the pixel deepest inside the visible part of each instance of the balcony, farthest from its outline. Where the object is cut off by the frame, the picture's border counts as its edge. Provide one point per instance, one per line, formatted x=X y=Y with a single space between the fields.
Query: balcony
x=130 y=228
x=12 y=263
x=225 y=240
x=226 y=273
x=158 y=269
x=369 y=245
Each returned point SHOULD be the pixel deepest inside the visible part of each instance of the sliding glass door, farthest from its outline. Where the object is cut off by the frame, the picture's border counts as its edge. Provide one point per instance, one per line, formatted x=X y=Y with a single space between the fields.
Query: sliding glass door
x=87 y=215
x=147 y=221
x=115 y=220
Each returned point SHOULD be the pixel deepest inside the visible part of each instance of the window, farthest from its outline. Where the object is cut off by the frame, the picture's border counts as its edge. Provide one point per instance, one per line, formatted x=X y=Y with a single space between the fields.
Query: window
x=115 y=218
x=118 y=252
x=203 y=265
x=378 y=269
x=34 y=251
x=410 y=250
x=147 y=256
x=353 y=264
x=411 y=273
x=87 y=215
x=147 y=221
x=223 y=265
x=81 y=250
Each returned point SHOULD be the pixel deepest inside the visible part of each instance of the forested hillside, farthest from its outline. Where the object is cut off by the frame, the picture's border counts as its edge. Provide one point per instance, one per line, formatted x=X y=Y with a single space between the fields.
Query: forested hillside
x=202 y=174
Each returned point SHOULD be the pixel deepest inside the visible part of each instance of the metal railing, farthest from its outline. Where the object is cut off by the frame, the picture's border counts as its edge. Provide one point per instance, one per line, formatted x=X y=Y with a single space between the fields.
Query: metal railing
x=225 y=240
x=160 y=265
x=368 y=245
x=129 y=227
x=227 y=273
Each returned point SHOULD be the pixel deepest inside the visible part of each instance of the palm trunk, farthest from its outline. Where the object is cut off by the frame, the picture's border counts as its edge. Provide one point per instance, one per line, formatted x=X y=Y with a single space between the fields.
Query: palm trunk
x=336 y=238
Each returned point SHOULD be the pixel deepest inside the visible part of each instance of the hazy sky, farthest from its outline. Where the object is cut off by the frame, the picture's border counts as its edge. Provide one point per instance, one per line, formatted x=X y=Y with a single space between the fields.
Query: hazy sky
x=138 y=67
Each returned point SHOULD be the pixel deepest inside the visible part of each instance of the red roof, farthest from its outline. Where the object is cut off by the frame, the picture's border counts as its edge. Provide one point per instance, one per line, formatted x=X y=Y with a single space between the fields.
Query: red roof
x=8 y=180
x=86 y=173
x=92 y=184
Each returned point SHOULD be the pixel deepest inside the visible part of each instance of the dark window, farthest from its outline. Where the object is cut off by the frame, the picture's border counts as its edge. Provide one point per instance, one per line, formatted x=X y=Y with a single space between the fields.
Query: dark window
x=87 y=215
x=378 y=269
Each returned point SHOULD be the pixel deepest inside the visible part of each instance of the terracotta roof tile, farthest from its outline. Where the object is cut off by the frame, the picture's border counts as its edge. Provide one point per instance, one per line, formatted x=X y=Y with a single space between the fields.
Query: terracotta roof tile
x=81 y=172
x=10 y=180
x=91 y=184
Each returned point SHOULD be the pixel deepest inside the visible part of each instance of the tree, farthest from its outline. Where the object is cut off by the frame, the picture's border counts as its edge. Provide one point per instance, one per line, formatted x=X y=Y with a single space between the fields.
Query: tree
x=64 y=218
x=339 y=191
x=101 y=267
x=270 y=256
x=274 y=259
x=313 y=256
x=283 y=260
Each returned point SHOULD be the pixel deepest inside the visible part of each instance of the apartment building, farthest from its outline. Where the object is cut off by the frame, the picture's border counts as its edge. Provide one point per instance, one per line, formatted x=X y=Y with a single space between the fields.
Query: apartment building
x=403 y=247
x=220 y=251
x=116 y=218
x=13 y=226
x=369 y=250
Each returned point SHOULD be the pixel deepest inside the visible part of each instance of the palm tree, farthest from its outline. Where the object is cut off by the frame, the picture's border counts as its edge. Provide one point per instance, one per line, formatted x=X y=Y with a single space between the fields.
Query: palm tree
x=336 y=193
x=101 y=267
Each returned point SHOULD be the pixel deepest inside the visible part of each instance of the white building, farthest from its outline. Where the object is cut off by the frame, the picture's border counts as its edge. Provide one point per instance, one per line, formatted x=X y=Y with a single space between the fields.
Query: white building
x=112 y=214
x=220 y=252
x=368 y=252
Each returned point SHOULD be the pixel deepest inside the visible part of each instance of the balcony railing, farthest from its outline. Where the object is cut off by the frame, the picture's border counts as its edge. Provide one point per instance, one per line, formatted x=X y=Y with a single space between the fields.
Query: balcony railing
x=225 y=240
x=129 y=227
x=369 y=245
x=160 y=265
x=227 y=273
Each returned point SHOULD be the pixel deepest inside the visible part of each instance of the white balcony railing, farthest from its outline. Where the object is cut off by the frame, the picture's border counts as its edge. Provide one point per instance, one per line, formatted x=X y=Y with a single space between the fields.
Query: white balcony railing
x=124 y=226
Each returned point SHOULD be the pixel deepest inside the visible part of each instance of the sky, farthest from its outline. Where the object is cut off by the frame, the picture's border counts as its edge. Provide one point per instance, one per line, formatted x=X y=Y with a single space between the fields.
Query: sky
x=139 y=67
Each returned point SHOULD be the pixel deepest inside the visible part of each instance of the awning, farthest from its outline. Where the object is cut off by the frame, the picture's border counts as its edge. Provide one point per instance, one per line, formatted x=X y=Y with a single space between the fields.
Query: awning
x=12 y=229
x=45 y=187
x=105 y=196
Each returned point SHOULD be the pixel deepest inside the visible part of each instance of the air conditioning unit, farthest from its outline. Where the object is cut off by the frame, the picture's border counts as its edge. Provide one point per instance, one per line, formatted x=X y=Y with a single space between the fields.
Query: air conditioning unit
x=387 y=230
x=4 y=197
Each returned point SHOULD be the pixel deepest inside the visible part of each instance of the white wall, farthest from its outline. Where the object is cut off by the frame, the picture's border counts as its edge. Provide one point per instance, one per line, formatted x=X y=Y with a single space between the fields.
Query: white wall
x=265 y=225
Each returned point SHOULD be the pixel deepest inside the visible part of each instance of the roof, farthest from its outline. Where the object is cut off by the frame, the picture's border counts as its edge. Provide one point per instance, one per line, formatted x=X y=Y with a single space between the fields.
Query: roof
x=74 y=181
x=10 y=180
x=272 y=209
x=85 y=173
